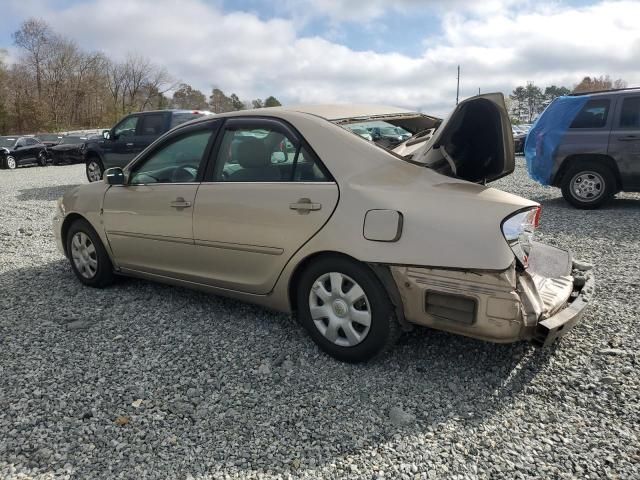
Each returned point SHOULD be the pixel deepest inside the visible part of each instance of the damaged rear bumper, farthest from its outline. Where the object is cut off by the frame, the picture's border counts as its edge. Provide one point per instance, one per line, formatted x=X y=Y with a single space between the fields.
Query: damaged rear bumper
x=539 y=304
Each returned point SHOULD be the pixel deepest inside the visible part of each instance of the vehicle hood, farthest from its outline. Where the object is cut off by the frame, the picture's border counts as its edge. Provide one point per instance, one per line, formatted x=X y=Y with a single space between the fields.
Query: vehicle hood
x=65 y=148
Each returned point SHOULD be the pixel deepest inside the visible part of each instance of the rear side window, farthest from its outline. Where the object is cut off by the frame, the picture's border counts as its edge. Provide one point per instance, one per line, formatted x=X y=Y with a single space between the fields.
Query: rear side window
x=152 y=125
x=593 y=115
x=179 y=118
x=630 y=116
x=32 y=141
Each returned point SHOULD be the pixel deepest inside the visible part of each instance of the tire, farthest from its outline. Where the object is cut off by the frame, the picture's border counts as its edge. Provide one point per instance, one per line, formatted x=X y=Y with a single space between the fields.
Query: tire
x=94 y=169
x=344 y=338
x=92 y=266
x=42 y=158
x=588 y=184
x=11 y=163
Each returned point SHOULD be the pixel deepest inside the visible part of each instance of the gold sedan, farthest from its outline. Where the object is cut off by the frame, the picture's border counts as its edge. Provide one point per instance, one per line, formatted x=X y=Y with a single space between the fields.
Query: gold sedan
x=360 y=236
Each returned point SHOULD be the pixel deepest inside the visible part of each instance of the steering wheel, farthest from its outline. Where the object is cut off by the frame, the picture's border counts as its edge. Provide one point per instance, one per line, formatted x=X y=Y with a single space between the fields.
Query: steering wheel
x=180 y=174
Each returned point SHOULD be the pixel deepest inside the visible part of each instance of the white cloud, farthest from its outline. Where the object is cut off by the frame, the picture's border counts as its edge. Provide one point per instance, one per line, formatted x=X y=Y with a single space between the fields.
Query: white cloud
x=498 y=48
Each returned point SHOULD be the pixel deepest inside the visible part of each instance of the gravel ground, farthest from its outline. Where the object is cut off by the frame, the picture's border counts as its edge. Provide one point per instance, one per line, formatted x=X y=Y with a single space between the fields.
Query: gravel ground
x=148 y=381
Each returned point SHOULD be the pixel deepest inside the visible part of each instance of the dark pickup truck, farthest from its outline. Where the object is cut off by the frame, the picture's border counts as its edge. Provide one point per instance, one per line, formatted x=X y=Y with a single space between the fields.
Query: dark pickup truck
x=129 y=137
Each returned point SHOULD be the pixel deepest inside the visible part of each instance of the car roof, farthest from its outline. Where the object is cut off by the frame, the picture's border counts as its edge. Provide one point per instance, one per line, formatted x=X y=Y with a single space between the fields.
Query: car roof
x=606 y=92
x=334 y=112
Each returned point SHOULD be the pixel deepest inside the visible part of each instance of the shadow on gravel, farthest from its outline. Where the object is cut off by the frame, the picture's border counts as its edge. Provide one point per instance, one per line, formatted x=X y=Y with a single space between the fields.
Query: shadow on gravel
x=222 y=384
x=615 y=204
x=44 y=193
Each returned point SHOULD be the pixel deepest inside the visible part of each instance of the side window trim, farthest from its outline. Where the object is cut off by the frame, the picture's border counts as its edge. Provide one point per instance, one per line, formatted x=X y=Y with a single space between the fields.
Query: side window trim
x=212 y=125
x=249 y=122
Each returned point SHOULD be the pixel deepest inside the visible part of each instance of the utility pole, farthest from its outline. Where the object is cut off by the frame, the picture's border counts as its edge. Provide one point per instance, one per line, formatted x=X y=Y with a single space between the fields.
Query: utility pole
x=478 y=91
x=458 y=88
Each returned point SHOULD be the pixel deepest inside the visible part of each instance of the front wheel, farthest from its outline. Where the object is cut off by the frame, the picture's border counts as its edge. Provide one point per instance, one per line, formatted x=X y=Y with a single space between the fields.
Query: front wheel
x=94 y=169
x=11 y=162
x=588 y=185
x=42 y=159
x=89 y=259
x=346 y=310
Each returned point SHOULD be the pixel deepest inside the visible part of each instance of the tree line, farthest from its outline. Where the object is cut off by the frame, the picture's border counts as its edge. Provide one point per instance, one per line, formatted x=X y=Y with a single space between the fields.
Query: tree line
x=527 y=102
x=55 y=85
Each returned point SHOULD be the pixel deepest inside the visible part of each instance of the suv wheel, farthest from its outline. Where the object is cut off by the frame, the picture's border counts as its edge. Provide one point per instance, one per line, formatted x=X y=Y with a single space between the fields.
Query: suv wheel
x=94 y=169
x=346 y=310
x=588 y=185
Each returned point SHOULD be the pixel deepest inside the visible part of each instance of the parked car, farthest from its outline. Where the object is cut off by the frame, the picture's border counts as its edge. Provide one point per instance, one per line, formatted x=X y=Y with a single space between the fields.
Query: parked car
x=17 y=151
x=358 y=241
x=588 y=145
x=363 y=132
x=389 y=136
x=50 y=139
x=130 y=136
x=519 y=137
x=70 y=150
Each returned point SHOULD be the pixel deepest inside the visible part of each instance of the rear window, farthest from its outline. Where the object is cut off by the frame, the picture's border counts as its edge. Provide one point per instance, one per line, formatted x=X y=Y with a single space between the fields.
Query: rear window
x=179 y=118
x=630 y=116
x=593 y=115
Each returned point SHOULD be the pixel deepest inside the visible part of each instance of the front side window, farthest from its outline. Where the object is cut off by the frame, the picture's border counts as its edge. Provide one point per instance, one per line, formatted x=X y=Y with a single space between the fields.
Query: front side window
x=32 y=141
x=630 y=115
x=593 y=115
x=178 y=161
x=152 y=124
x=126 y=128
x=265 y=155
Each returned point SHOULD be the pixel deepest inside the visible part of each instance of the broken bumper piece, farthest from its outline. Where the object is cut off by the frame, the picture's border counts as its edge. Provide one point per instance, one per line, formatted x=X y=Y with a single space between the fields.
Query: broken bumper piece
x=549 y=330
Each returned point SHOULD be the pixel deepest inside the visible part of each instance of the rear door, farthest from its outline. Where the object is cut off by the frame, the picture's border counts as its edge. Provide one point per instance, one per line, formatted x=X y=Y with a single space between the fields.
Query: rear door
x=265 y=195
x=624 y=141
x=434 y=151
x=150 y=127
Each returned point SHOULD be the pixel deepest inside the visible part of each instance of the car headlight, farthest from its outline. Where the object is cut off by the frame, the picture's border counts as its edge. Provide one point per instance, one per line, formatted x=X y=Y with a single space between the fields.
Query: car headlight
x=518 y=231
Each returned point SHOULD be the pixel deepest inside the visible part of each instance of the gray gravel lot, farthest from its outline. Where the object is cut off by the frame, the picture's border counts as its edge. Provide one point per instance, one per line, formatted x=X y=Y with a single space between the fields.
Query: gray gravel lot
x=148 y=381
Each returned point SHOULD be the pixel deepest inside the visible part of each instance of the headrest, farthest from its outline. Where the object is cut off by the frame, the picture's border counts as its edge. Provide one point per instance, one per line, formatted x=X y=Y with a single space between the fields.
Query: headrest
x=252 y=153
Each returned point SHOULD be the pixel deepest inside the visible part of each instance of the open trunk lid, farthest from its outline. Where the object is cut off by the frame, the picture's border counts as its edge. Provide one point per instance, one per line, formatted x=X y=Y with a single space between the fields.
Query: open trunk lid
x=473 y=143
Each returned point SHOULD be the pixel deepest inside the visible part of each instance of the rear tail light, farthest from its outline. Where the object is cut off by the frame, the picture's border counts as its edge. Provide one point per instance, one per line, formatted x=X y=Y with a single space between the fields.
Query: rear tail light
x=518 y=230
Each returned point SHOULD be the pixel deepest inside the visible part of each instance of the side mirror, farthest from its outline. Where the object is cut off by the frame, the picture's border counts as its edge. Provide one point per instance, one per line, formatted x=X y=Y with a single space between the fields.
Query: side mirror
x=114 y=176
x=106 y=135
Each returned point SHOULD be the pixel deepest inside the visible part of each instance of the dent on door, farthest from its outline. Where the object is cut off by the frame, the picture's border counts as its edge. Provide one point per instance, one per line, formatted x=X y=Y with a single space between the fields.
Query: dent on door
x=245 y=233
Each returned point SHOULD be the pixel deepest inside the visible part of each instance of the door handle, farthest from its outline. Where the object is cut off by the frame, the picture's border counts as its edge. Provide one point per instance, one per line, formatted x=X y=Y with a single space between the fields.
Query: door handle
x=304 y=206
x=180 y=203
x=129 y=144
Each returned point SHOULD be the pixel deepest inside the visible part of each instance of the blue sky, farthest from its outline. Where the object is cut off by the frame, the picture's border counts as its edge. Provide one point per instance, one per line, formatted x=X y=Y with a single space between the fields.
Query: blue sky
x=403 y=52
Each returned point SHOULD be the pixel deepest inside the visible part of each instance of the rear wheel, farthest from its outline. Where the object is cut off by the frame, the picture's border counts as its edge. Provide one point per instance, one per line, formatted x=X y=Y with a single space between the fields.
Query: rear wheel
x=42 y=158
x=89 y=259
x=346 y=310
x=588 y=185
x=94 y=169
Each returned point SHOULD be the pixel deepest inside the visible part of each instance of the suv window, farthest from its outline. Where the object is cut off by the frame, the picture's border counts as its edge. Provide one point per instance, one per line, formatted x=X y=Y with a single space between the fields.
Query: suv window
x=32 y=141
x=177 y=161
x=182 y=117
x=630 y=116
x=264 y=155
x=127 y=127
x=21 y=142
x=152 y=124
x=593 y=115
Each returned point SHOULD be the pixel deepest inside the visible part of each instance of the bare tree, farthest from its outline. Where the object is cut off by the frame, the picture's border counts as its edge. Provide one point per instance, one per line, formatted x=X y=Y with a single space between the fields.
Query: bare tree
x=34 y=37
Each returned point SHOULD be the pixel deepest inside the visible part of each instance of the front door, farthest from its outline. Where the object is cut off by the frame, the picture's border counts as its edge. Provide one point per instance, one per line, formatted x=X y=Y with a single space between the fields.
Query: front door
x=265 y=197
x=119 y=149
x=624 y=142
x=149 y=220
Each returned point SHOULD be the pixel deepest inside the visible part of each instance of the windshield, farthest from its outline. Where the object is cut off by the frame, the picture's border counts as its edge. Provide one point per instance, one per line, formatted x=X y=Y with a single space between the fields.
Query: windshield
x=7 y=142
